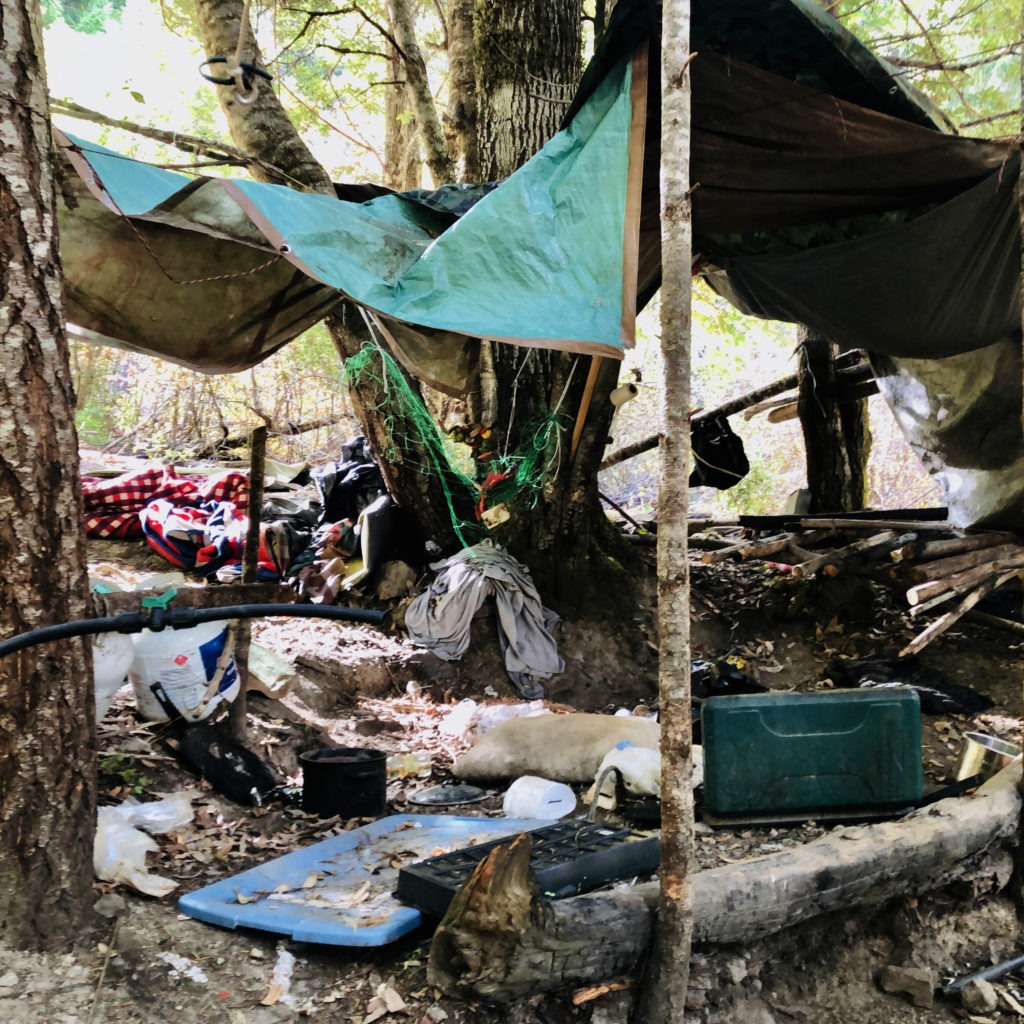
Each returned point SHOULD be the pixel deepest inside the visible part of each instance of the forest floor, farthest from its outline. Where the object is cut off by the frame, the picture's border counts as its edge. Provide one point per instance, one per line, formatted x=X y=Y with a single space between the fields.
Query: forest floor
x=358 y=686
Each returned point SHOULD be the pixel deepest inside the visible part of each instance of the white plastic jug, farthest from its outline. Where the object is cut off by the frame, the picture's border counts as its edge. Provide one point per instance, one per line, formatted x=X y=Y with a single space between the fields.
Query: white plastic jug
x=195 y=667
x=112 y=656
x=530 y=796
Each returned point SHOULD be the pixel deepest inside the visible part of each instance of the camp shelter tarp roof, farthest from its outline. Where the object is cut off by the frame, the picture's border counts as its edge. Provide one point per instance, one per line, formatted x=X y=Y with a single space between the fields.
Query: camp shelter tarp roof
x=824 y=193
x=805 y=202
x=545 y=259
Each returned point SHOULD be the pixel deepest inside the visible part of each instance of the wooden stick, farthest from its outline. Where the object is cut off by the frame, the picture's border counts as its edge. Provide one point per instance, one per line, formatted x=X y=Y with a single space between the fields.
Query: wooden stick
x=939 y=626
x=588 y=393
x=238 y=713
x=875 y=524
x=922 y=550
x=997 y=621
x=847 y=360
x=748 y=549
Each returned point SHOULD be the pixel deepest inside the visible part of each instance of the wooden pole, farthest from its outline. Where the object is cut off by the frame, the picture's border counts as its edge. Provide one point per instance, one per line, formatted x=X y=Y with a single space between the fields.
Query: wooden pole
x=663 y=994
x=588 y=394
x=238 y=713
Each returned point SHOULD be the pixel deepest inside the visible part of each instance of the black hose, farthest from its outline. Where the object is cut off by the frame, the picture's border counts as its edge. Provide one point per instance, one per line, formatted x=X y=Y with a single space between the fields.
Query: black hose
x=156 y=619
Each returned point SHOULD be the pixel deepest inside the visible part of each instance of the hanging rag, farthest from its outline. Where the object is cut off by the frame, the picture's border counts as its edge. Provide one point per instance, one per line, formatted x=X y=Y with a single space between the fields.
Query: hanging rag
x=442 y=616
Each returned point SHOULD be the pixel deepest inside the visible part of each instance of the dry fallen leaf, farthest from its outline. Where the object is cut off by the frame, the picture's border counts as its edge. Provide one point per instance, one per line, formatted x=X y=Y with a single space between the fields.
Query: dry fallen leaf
x=392 y=1000
x=314 y=877
x=1011 y=1002
x=274 y=994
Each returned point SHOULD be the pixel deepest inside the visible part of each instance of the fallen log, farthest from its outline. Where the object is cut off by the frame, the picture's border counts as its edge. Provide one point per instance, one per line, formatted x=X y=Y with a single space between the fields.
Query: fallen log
x=937 y=591
x=837 y=556
x=749 y=549
x=838 y=523
x=500 y=942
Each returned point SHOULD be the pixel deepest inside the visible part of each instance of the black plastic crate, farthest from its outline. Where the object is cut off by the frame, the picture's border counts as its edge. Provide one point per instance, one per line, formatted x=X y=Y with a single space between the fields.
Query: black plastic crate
x=568 y=858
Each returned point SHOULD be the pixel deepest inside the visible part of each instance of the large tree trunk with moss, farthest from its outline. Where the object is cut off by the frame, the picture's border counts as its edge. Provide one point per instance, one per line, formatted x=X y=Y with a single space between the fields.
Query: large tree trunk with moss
x=527 y=59
x=47 y=710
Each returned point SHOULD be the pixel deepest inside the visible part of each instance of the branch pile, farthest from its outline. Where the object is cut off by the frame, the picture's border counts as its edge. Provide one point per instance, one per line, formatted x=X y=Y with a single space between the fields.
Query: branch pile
x=944 y=566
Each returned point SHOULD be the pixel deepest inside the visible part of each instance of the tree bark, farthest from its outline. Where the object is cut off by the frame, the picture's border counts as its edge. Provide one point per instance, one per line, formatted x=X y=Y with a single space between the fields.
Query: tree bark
x=528 y=61
x=402 y=160
x=498 y=942
x=47 y=706
x=835 y=436
x=461 y=119
x=664 y=991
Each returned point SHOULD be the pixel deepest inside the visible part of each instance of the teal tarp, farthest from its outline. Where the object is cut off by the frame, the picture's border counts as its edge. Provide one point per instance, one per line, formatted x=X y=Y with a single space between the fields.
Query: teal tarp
x=538 y=261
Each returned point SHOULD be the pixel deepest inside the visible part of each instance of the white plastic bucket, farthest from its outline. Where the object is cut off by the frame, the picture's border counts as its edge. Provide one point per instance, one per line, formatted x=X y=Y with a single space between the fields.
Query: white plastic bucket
x=187 y=664
x=533 y=797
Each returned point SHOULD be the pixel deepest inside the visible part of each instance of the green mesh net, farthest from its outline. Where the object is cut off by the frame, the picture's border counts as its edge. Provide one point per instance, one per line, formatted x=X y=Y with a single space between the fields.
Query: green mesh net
x=416 y=442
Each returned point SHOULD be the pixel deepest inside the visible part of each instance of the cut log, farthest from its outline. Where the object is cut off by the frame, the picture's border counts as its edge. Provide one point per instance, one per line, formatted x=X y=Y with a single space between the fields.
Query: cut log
x=835 y=524
x=499 y=942
x=934 y=549
x=939 y=626
x=936 y=591
x=1005 y=554
x=522 y=945
x=837 y=556
x=749 y=549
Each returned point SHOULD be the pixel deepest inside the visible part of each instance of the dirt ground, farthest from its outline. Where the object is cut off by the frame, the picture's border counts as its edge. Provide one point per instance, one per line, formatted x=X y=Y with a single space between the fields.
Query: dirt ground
x=357 y=686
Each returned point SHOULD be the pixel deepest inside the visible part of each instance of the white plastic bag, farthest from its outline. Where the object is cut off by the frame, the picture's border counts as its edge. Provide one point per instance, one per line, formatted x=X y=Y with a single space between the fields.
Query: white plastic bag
x=119 y=853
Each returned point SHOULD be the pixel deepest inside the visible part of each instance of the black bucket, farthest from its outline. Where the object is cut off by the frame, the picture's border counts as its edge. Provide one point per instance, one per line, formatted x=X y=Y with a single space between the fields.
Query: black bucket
x=346 y=781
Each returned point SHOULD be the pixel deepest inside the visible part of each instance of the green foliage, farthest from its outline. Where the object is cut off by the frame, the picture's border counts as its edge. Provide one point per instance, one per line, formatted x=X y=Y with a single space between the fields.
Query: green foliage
x=960 y=54
x=86 y=16
x=127 y=775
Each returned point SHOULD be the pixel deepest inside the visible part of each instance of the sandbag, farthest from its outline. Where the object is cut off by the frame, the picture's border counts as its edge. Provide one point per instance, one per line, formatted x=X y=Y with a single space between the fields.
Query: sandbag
x=564 y=748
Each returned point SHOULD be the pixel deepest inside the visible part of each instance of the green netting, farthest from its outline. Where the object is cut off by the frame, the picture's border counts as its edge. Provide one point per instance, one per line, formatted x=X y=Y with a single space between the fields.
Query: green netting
x=416 y=441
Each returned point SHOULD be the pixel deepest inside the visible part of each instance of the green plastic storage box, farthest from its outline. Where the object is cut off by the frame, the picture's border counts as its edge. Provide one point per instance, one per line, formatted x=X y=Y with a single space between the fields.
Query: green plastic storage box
x=783 y=753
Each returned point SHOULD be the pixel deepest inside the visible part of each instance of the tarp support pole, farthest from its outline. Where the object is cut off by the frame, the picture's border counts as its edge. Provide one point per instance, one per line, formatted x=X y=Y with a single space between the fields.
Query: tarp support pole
x=588 y=393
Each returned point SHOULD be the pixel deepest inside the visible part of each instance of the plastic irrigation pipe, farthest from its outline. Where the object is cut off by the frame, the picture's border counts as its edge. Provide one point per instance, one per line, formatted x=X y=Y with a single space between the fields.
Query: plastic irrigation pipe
x=157 y=619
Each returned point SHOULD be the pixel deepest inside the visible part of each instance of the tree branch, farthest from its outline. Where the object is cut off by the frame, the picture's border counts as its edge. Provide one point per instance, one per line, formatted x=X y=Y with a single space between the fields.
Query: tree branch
x=218 y=152
x=965 y=65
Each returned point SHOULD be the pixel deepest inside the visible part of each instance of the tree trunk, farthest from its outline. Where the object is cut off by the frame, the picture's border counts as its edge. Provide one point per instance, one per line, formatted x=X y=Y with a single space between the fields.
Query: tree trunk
x=260 y=126
x=47 y=707
x=835 y=437
x=527 y=64
x=461 y=120
x=402 y=21
x=402 y=161
x=528 y=61
x=664 y=993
